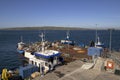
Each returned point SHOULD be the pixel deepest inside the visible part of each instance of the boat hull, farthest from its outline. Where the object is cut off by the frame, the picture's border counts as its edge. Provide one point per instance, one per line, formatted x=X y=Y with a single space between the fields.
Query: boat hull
x=20 y=51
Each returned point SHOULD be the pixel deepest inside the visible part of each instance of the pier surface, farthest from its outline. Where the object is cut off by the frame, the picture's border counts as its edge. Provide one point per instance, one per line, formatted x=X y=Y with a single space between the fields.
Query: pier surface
x=73 y=71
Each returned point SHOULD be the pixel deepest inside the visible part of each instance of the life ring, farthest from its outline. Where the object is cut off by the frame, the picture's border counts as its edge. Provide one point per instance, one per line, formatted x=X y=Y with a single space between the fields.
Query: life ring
x=110 y=64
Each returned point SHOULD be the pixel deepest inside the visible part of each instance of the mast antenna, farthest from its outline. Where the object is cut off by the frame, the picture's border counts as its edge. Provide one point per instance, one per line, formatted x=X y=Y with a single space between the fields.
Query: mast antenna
x=96 y=34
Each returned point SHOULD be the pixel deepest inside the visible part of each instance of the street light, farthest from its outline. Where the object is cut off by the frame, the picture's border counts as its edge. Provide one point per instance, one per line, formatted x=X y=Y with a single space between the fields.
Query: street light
x=110 y=43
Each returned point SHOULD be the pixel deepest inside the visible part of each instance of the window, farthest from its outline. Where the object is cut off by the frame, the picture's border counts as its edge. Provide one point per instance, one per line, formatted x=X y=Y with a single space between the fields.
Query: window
x=35 y=63
x=32 y=62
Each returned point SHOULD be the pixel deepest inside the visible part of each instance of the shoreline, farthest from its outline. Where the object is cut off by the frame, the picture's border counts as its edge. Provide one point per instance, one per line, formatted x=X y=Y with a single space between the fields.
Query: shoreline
x=54 y=28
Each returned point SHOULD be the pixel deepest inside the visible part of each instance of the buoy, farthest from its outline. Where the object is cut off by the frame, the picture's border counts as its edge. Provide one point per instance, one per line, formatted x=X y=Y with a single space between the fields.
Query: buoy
x=4 y=74
x=110 y=64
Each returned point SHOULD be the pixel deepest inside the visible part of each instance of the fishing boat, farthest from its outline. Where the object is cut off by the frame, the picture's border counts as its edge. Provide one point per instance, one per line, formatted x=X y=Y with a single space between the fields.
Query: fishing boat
x=98 y=43
x=67 y=40
x=44 y=58
x=20 y=47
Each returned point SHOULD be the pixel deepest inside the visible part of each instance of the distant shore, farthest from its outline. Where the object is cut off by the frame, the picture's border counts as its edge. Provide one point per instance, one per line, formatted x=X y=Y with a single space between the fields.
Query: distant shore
x=44 y=28
x=52 y=28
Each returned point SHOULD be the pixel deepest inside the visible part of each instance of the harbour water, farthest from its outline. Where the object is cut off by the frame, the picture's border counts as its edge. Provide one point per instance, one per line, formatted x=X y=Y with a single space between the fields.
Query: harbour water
x=10 y=59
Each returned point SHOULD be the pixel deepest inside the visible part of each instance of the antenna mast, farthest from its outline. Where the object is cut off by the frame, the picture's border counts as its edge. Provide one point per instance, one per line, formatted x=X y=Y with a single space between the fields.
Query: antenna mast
x=43 y=44
x=21 y=39
x=68 y=34
x=96 y=34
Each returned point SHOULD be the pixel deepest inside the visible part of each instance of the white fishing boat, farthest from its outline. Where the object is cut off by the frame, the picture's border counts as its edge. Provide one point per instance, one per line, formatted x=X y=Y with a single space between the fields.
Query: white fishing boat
x=44 y=58
x=98 y=43
x=20 y=46
x=67 y=40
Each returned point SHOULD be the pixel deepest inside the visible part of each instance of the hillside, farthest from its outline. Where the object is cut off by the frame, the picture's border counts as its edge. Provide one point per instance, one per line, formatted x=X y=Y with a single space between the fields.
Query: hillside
x=44 y=28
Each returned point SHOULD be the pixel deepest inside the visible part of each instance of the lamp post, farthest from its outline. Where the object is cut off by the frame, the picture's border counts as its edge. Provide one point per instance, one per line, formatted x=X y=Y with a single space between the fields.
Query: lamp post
x=110 y=43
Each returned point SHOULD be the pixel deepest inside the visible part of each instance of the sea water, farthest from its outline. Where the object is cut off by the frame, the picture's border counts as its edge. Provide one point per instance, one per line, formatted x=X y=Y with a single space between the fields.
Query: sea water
x=10 y=59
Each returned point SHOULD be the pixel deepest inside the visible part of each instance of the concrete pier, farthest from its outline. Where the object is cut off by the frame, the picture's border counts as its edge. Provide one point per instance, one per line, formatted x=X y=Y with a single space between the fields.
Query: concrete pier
x=73 y=71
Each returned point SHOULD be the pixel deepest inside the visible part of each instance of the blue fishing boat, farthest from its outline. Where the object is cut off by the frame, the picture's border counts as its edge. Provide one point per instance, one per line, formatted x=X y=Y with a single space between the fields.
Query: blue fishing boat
x=20 y=51
x=20 y=47
x=98 y=43
x=97 y=39
x=43 y=57
x=67 y=40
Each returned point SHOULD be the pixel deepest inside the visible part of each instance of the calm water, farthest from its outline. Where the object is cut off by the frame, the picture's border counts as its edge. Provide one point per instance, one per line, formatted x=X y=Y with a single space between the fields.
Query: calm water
x=9 y=58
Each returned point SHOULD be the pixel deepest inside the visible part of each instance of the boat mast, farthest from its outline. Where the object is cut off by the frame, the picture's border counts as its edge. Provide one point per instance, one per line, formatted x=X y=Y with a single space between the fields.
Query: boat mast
x=68 y=34
x=98 y=39
x=43 y=44
x=96 y=35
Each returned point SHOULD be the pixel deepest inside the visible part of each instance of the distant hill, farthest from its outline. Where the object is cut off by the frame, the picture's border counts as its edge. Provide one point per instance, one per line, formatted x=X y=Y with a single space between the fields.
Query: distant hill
x=45 y=28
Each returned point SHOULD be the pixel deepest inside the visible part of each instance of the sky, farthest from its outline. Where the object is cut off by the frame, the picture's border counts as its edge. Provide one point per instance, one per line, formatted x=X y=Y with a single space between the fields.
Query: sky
x=62 y=13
